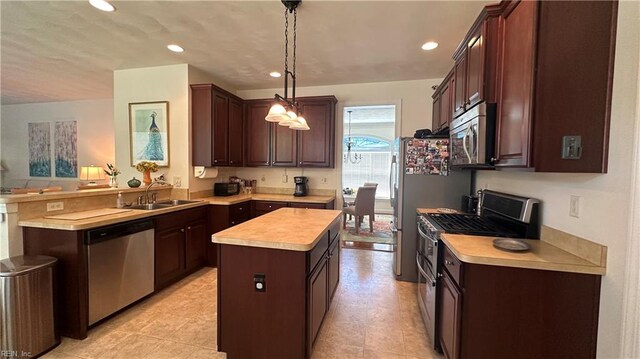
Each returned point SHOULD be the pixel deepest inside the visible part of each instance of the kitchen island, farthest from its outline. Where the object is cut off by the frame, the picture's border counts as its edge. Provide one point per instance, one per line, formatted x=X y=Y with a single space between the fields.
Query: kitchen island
x=276 y=276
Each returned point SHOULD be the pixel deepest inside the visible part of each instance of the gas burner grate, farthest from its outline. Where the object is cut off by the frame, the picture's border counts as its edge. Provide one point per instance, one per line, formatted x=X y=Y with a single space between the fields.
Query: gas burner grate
x=468 y=224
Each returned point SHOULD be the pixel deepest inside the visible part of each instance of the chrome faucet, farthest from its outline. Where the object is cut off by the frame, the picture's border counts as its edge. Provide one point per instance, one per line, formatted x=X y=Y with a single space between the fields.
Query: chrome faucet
x=146 y=191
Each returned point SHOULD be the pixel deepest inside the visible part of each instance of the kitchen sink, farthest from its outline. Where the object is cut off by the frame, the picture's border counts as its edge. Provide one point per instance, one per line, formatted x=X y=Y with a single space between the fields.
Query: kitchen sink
x=150 y=206
x=175 y=202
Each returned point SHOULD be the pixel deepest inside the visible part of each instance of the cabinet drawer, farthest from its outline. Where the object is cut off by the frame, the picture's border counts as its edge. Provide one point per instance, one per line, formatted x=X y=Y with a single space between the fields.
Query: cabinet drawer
x=307 y=205
x=334 y=231
x=179 y=218
x=238 y=220
x=453 y=266
x=316 y=254
x=239 y=210
x=267 y=206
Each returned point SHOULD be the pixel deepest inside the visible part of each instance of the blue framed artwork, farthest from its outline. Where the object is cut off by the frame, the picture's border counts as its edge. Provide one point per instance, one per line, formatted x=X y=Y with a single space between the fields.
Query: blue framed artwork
x=149 y=129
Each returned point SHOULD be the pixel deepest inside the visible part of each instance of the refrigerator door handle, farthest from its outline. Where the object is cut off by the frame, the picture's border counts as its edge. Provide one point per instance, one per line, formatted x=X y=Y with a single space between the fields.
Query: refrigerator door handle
x=391 y=180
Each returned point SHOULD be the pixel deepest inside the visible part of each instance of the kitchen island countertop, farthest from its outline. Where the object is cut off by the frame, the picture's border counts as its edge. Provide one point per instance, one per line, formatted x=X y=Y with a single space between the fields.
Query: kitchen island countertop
x=296 y=229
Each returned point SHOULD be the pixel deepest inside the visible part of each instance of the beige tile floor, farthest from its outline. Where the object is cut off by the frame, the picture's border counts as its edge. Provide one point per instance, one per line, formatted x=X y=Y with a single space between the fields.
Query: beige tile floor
x=372 y=316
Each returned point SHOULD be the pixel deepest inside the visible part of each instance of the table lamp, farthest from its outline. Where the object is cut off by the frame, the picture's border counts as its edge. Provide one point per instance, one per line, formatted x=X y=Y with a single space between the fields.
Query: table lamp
x=91 y=174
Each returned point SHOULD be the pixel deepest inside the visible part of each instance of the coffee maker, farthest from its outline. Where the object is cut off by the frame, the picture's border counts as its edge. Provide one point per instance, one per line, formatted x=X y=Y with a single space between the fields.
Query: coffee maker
x=302 y=187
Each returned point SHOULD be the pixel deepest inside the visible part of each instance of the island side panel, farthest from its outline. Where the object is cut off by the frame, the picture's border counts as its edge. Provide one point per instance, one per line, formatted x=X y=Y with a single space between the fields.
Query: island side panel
x=269 y=324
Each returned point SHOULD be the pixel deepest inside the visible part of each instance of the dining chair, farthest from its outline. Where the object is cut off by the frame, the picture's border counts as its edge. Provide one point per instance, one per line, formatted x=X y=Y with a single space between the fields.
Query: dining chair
x=364 y=206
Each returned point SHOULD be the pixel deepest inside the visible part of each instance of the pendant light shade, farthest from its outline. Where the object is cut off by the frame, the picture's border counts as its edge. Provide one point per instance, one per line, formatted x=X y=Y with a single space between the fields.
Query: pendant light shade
x=277 y=113
x=290 y=118
x=300 y=124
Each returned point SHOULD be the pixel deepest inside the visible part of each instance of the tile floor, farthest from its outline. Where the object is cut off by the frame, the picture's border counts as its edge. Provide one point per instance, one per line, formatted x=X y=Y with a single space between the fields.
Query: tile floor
x=372 y=316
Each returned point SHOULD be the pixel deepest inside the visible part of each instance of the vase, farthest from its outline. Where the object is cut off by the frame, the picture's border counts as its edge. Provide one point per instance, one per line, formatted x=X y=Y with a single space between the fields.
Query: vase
x=113 y=181
x=134 y=182
x=146 y=177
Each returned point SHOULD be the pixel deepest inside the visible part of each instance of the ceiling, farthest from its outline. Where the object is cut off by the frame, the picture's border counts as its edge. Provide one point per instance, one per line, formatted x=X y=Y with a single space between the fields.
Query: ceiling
x=67 y=50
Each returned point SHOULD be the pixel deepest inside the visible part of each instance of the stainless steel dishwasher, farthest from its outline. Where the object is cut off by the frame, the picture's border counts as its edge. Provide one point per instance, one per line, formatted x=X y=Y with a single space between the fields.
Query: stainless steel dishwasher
x=120 y=265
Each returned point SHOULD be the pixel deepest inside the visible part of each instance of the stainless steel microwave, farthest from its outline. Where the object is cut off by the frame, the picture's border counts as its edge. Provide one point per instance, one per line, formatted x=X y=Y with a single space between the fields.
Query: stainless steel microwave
x=473 y=137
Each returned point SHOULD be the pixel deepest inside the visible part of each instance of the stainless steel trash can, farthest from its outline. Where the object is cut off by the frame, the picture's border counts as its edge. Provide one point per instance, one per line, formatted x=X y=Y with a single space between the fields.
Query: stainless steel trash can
x=27 y=326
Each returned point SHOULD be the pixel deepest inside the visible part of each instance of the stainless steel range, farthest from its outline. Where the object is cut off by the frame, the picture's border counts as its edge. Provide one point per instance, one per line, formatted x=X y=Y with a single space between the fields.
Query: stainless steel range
x=502 y=215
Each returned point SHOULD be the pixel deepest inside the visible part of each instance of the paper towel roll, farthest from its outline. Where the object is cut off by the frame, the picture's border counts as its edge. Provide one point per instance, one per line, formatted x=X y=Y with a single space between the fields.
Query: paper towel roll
x=204 y=172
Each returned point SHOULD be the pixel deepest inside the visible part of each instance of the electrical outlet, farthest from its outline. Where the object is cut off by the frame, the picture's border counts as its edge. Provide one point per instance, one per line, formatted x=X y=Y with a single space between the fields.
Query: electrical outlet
x=574 y=206
x=177 y=181
x=55 y=206
x=285 y=178
x=324 y=179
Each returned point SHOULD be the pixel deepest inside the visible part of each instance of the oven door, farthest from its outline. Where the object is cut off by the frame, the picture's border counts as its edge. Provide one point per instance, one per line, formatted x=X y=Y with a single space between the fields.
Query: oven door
x=427 y=296
x=427 y=245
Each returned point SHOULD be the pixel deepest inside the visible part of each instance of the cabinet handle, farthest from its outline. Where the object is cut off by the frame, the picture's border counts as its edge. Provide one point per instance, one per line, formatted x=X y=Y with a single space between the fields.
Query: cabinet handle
x=233 y=223
x=215 y=161
x=449 y=263
x=240 y=209
x=188 y=228
x=300 y=162
x=266 y=163
x=269 y=206
x=230 y=161
x=493 y=160
x=182 y=230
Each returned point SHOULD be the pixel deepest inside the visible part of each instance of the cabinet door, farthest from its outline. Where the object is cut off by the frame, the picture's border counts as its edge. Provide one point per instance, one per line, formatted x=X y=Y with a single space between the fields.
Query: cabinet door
x=446 y=103
x=516 y=84
x=258 y=134
x=450 y=315
x=283 y=146
x=435 y=117
x=169 y=255
x=235 y=132
x=316 y=146
x=459 y=92
x=334 y=267
x=201 y=125
x=318 y=298
x=475 y=68
x=220 y=130
x=195 y=245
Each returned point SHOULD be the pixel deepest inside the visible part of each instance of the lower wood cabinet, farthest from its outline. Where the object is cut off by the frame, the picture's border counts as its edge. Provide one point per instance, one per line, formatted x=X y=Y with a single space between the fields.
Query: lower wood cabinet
x=222 y=217
x=496 y=312
x=180 y=245
x=258 y=208
x=333 y=265
x=318 y=298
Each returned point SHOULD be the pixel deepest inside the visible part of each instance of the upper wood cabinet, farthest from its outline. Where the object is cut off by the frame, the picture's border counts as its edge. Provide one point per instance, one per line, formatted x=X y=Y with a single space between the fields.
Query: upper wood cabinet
x=216 y=127
x=316 y=147
x=268 y=144
x=555 y=80
x=443 y=103
x=476 y=62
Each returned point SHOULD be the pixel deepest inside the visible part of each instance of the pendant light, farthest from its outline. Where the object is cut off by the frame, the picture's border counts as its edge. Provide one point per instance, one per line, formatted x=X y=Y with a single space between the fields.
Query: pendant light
x=347 y=156
x=285 y=111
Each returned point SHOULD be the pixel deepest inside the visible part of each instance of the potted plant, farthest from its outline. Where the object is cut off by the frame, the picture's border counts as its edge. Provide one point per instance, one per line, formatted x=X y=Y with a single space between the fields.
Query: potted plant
x=146 y=168
x=113 y=173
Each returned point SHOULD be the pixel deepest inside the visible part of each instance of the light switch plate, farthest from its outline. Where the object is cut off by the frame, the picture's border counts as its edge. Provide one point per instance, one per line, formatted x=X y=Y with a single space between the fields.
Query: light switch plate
x=571 y=147
x=574 y=206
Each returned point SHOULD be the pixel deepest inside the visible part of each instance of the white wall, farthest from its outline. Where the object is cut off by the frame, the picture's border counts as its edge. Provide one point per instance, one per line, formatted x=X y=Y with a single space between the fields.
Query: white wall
x=95 y=134
x=604 y=198
x=162 y=83
x=414 y=111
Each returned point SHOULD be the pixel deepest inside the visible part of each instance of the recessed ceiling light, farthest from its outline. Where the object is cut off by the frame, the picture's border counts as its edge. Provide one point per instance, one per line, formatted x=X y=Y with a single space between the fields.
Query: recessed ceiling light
x=275 y=74
x=175 y=48
x=102 y=5
x=430 y=45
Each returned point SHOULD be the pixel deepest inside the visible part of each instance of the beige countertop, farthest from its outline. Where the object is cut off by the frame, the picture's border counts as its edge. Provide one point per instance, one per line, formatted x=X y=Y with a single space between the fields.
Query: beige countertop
x=94 y=222
x=229 y=200
x=542 y=255
x=296 y=229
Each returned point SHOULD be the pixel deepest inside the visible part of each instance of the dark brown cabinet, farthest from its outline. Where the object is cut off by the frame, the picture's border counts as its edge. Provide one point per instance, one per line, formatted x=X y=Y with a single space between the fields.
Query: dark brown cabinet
x=450 y=304
x=534 y=313
x=258 y=208
x=268 y=144
x=316 y=147
x=475 y=68
x=333 y=265
x=443 y=103
x=258 y=133
x=222 y=217
x=554 y=86
x=216 y=125
x=180 y=244
x=460 y=81
x=318 y=299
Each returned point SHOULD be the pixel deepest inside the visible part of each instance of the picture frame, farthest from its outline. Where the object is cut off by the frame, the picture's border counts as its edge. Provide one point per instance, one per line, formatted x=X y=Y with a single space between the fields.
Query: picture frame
x=149 y=132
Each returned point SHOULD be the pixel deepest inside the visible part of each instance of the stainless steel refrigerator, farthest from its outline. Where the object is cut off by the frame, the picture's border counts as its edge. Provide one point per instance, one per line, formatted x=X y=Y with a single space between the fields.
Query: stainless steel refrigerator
x=420 y=178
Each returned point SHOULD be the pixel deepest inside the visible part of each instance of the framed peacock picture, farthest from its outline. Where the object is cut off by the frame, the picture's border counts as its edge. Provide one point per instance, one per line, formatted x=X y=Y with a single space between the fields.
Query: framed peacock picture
x=149 y=129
